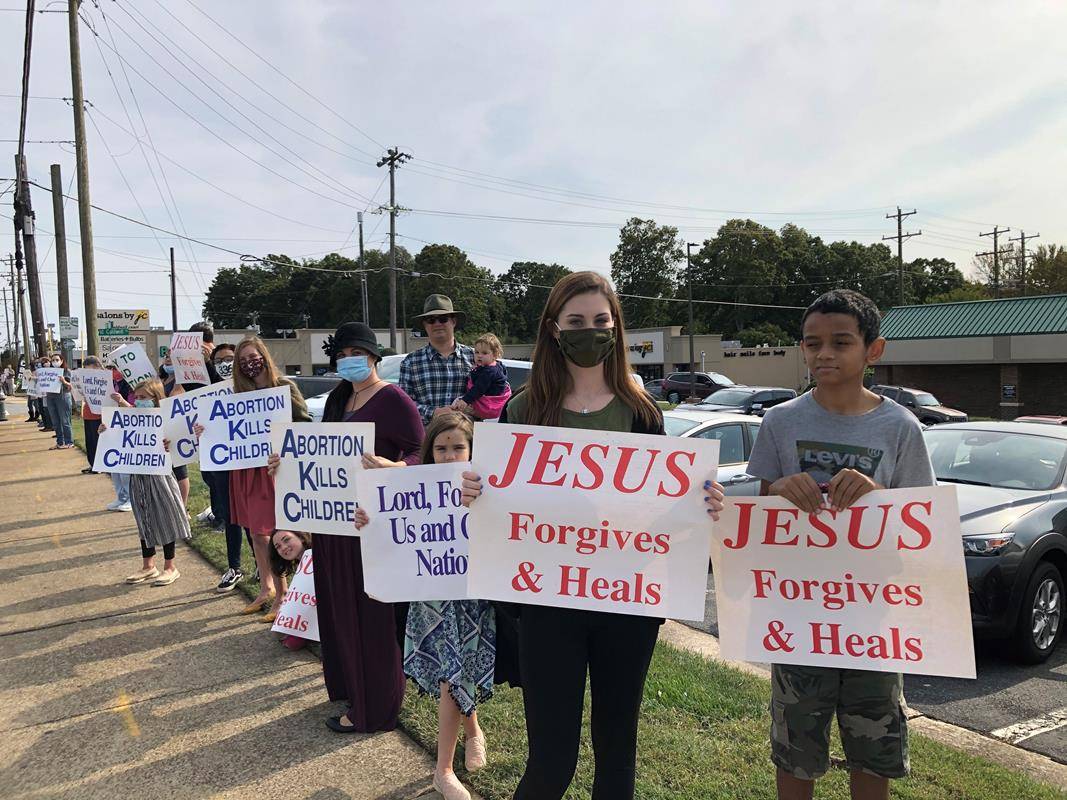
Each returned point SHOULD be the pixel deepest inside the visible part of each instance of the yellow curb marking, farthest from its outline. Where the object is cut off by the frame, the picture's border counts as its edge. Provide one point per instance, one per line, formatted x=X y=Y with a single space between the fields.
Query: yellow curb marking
x=125 y=710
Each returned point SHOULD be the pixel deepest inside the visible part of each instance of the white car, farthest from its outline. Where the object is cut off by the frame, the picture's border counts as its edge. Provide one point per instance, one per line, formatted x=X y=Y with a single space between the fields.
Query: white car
x=389 y=371
x=736 y=433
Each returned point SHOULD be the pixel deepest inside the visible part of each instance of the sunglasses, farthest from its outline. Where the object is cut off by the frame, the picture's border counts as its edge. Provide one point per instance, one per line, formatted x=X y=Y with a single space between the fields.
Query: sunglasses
x=441 y=320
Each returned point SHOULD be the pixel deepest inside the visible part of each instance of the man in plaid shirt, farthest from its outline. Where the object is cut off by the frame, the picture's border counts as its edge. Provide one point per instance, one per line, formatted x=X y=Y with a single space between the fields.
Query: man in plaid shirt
x=436 y=374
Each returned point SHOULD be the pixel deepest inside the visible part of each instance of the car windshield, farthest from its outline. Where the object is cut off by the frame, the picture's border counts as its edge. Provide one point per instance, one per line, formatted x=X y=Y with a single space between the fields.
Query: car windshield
x=728 y=397
x=995 y=458
x=676 y=426
x=389 y=368
x=925 y=399
x=720 y=379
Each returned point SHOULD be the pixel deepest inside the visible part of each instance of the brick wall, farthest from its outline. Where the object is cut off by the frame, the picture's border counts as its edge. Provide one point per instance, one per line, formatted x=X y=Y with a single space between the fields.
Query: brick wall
x=1043 y=388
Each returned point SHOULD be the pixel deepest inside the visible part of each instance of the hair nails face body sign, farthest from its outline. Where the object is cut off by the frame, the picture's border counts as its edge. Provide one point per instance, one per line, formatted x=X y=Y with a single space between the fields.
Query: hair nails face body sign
x=315 y=485
x=237 y=428
x=181 y=413
x=880 y=586
x=132 y=442
x=595 y=520
x=298 y=615
x=416 y=545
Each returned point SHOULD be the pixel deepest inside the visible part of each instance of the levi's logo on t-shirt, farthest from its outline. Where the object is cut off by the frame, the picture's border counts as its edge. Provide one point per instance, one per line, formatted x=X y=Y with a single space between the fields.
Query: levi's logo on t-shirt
x=823 y=460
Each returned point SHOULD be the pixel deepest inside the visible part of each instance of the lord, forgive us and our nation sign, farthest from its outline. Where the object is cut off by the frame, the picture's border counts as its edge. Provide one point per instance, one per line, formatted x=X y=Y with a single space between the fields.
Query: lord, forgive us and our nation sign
x=595 y=520
x=237 y=428
x=96 y=387
x=48 y=380
x=315 y=485
x=132 y=442
x=298 y=614
x=415 y=546
x=187 y=357
x=880 y=586
x=180 y=415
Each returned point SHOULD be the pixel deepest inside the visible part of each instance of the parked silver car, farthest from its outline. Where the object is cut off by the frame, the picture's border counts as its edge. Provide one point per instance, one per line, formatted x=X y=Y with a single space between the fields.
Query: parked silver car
x=736 y=433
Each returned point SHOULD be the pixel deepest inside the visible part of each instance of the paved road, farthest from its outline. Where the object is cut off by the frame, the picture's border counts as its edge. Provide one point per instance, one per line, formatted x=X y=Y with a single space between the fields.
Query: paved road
x=1005 y=693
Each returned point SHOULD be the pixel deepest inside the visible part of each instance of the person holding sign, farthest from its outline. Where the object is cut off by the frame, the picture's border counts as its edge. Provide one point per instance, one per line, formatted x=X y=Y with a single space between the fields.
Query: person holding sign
x=581 y=379
x=170 y=388
x=61 y=405
x=91 y=419
x=252 y=489
x=450 y=645
x=287 y=550
x=824 y=451
x=361 y=658
x=157 y=505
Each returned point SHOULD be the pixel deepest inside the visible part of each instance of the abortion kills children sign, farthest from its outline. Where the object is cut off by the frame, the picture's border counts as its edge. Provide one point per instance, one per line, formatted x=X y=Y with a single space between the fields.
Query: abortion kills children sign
x=237 y=428
x=187 y=357
x=592 y=519
x=315 y=485
x=96 y=387
x=133 y=362
x=180 y=415
x=298 y=616
x=132 y=442
x=415 y=546
x=879 y=586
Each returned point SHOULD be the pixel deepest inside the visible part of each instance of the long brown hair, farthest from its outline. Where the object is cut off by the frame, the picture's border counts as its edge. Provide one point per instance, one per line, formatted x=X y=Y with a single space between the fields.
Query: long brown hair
x=241 y=382
x=549 y=378
x=449 y=421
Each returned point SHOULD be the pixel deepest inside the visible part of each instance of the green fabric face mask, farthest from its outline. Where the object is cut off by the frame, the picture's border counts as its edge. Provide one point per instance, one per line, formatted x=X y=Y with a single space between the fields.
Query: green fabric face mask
x=587 y=347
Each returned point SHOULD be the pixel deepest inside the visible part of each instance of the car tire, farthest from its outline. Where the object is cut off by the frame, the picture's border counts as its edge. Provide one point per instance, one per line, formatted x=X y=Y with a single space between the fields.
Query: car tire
x=1042 y=609
x=674 y=398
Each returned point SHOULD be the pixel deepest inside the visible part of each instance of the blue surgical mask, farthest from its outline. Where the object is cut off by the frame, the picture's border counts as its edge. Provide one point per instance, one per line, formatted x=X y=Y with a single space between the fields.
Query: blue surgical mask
x=354 y=368
x=144 y=402
x=168 y=368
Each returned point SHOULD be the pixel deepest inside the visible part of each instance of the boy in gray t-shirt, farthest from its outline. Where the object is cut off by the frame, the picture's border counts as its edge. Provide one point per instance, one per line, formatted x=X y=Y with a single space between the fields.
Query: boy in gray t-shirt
x=831 y=446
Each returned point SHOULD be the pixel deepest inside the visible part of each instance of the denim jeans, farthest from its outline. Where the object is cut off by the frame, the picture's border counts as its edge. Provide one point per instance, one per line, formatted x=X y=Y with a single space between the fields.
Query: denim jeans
x=59 y=409
x=121 y=482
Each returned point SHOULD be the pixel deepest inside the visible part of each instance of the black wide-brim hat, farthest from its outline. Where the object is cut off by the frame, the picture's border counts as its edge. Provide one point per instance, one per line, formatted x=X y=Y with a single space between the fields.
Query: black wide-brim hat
x=352 y=334
x=437 y=305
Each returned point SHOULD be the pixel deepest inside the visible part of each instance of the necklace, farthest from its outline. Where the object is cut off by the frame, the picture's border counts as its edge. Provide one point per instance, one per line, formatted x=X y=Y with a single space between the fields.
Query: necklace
x=350 y=405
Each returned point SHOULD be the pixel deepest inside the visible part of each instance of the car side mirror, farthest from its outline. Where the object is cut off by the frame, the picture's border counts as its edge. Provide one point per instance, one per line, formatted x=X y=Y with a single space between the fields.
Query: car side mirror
x=756 y=408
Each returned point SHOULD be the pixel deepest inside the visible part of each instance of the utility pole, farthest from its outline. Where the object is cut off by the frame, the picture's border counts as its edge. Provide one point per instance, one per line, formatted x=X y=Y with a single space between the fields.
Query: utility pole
x=995 y=252
x=21 y=300
x=393 y=158
x=25 y=222
x=900 y=237
x=59 y=225
x=173 y=295
x=14 y=305
x=85 y=220
x=689 y=285
x=362 y=271
x=1021 y=239
x=7 y=325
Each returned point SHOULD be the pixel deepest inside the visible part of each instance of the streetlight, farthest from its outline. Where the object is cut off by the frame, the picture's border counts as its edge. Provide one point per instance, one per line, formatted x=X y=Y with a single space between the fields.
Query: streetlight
x=689 y=285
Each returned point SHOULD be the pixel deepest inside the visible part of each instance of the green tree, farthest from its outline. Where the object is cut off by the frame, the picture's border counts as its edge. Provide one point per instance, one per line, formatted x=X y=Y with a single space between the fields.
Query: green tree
x=645 y=263
x=765 y=333
x=1047 y=271
x=522 y=293
x=970 y=290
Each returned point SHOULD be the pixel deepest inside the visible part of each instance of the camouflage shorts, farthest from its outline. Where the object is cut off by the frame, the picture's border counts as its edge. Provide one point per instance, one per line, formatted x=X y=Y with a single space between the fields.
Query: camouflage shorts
x=870 y=713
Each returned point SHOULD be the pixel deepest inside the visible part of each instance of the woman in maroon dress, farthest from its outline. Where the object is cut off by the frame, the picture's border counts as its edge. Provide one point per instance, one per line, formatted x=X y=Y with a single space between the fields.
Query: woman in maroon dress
x=361 y=657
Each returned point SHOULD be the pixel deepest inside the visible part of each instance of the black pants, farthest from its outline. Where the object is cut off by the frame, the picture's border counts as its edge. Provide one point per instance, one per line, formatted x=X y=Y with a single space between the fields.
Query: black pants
x=556 y=647
x=45 y=418
x=148 y=552
x=92 y=436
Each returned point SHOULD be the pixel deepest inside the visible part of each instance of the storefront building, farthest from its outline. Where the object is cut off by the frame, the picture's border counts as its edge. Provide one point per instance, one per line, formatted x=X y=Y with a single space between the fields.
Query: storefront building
x=991 y=358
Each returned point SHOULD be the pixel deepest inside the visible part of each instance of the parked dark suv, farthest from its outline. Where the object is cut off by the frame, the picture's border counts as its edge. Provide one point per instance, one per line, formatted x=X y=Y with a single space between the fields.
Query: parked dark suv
x=922 y=404
x=742 y=399
x=1012 y=493
x=677 y=385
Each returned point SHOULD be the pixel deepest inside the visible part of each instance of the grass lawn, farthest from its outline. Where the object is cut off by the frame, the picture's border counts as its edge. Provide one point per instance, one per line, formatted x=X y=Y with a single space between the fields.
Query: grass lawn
x=703 y=735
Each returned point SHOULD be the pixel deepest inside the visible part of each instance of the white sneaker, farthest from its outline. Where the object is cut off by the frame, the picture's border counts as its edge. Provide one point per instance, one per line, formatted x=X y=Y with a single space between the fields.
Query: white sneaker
x=205 y=515
x=123 y=507
x=114 y=504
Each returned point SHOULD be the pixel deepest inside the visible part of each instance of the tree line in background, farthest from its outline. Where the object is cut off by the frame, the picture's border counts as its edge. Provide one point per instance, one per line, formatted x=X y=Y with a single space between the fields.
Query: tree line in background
x=739 y=276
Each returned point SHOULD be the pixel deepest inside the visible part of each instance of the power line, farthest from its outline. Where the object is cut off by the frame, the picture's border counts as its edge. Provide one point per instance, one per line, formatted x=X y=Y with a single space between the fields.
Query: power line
x=1022 y=239
x=996 y=253
x=900 y=237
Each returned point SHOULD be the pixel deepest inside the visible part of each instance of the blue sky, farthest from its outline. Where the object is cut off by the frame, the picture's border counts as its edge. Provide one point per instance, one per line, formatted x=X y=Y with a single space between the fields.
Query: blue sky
x=822 y=113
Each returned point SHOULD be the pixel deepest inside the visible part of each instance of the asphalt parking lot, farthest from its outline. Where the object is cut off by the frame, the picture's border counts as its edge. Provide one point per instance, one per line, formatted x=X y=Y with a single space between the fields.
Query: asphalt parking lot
x=1023 y=705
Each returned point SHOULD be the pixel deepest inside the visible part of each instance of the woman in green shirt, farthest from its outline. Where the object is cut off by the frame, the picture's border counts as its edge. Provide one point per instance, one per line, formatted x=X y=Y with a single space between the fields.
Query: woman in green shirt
x=581 y=379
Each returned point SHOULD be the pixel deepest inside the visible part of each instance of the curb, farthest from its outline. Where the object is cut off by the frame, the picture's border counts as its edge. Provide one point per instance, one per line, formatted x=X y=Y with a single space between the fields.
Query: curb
x=1034 y=765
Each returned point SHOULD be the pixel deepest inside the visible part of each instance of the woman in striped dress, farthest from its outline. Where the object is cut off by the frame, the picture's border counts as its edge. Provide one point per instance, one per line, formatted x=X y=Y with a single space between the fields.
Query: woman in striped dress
x=157 y=505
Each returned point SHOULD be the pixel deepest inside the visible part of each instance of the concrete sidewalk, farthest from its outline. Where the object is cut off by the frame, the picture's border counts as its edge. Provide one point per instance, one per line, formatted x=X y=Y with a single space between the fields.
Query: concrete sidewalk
x=110 y=691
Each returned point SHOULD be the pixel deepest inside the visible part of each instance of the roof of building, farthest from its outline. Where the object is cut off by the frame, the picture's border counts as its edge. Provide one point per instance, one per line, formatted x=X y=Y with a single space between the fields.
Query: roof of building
x=1012 y=316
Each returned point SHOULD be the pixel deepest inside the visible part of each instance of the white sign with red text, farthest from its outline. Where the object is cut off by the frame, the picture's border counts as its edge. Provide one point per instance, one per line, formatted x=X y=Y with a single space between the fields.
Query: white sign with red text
x=588 y=519
x=880 y=586
x=187 y=357
x=298 y=616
